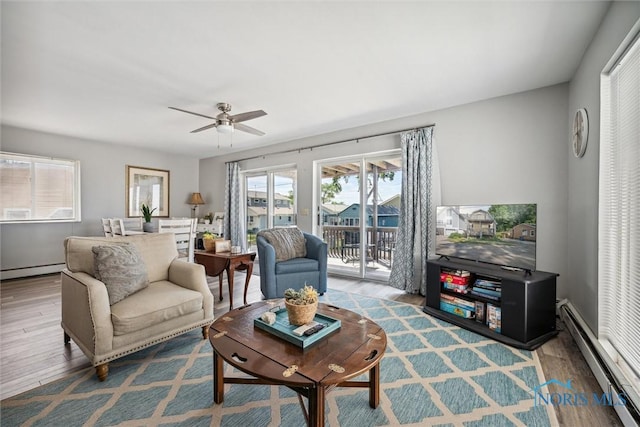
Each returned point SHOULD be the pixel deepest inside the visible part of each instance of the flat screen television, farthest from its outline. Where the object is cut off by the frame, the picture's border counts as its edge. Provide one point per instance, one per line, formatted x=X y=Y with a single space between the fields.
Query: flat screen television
x=503 y=234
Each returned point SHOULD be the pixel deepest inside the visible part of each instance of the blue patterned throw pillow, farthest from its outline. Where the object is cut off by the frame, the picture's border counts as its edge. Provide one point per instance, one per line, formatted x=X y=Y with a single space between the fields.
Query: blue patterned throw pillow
x=121 y=268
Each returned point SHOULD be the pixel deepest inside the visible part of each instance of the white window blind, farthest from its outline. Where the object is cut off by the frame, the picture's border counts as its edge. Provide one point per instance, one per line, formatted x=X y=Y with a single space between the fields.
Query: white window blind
x=38 y=189
x=619 y=214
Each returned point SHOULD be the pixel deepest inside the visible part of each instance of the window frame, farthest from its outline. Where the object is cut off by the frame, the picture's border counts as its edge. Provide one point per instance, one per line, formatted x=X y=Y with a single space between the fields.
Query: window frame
x=270 y=202
x=76 y=198
x=617 y=257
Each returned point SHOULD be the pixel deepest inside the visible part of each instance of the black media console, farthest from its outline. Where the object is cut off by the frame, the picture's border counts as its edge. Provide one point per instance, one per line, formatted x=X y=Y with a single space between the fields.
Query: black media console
x=525 y=301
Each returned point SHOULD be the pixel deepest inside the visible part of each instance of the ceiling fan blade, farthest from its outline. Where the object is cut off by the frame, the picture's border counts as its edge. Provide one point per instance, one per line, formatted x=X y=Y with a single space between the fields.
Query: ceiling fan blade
x=248 y=129
x=212 y=125
x=191 y=112
x=237 y=118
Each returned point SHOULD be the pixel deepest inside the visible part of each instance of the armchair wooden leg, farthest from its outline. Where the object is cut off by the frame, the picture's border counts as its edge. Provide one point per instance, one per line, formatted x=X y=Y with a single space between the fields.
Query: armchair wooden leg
x=67 y=338
x=205 y=332
x=102 y=371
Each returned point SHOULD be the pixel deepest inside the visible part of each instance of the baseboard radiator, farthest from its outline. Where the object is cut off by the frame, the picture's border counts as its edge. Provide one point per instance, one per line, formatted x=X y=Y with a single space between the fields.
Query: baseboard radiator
x=17 y=273
x=604 y=369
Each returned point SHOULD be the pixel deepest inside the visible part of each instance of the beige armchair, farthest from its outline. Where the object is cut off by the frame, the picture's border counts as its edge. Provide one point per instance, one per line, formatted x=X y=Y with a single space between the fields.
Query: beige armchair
x=176 y=300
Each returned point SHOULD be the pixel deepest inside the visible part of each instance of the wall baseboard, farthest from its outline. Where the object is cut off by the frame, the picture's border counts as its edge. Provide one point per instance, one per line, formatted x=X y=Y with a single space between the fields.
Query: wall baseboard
x=18 y=273
x=604 y=370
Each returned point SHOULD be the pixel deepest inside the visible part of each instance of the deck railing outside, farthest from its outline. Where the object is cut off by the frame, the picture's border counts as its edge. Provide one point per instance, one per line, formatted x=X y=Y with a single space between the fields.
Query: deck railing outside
x=344 y=243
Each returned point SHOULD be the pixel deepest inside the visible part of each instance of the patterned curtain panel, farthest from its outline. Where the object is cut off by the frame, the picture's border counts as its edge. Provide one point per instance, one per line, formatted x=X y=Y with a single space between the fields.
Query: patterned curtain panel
x=234 y=219
x=417 y=212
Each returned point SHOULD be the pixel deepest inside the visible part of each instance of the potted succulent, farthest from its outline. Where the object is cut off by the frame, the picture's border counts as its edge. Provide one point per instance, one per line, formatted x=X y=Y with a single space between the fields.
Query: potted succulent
x=208 y=241
x=146 y=213
x=301 y=305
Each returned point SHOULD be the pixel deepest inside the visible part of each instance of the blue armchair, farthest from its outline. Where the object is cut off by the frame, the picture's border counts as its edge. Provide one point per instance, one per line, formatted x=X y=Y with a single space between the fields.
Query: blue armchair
x=276 y=277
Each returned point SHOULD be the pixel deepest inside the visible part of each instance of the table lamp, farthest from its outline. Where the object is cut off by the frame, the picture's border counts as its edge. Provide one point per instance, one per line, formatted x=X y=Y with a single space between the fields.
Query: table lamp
x=196 y=199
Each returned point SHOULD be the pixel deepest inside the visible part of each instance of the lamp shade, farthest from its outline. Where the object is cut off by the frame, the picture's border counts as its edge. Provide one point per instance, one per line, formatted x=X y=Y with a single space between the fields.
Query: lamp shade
x=196 y=199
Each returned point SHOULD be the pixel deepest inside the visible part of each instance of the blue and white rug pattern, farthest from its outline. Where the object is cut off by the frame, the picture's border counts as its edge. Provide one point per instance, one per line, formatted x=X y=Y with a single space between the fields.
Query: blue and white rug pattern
x=433 y=373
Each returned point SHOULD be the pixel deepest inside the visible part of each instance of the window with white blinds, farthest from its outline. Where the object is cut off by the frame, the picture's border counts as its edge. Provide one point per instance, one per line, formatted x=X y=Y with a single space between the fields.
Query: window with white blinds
x=38 y=189
x=619 y=213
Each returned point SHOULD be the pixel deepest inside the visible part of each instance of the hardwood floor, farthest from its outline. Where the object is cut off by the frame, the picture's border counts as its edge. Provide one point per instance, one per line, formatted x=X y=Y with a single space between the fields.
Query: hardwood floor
x=32 y=351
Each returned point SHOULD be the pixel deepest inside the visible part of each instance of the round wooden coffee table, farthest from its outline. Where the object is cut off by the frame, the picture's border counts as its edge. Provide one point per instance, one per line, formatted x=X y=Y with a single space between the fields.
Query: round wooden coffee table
x=355 y=349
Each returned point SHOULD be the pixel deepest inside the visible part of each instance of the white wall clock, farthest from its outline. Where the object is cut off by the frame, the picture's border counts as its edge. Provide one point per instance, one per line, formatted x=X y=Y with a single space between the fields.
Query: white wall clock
x=580 y=132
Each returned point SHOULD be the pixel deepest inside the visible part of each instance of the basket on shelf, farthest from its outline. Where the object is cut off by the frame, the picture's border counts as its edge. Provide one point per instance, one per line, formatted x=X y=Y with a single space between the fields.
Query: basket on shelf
x=301 y=314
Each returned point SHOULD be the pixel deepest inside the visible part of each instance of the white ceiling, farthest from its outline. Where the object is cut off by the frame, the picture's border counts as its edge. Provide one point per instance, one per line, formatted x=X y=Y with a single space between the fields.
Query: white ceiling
x=108 y=70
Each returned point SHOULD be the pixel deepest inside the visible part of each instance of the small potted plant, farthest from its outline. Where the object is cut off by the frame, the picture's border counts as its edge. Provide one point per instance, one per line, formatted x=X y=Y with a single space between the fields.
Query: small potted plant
x=146 y=213
x=208 y=241
x=301 y=305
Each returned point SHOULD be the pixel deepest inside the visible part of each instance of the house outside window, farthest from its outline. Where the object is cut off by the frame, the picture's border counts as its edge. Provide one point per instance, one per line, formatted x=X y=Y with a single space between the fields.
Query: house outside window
x=273 y=193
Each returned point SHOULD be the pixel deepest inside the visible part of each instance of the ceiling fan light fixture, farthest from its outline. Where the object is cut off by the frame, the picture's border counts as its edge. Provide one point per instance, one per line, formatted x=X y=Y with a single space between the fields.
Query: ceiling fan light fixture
x=225 y=128
x=226 y=123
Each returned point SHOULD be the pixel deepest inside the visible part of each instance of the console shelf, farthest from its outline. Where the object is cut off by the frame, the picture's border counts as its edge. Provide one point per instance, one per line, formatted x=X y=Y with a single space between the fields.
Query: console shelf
x=527 y=302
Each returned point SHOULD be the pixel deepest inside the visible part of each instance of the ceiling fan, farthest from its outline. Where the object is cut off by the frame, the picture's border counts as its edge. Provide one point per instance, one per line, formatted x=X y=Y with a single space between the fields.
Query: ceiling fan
x=226 y=123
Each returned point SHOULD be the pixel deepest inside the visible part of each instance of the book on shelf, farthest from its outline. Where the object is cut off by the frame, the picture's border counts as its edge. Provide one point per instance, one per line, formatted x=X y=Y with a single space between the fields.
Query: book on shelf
x=460 y=302
x=491 y=288
x=458 y=311
x=456 y=285
x=452 y=278
x=480 y=310
x=479 y=294
x=463 y=289
x=486 y=283
x=461 y=273
x=483 y=291
x=494 y=317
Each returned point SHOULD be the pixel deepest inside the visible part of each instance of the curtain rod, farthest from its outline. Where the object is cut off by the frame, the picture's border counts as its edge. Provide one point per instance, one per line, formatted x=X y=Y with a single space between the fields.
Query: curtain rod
x=311 y=147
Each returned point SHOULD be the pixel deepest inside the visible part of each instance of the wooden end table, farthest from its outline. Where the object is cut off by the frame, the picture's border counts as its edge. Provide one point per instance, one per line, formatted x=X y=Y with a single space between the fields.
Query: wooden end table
x=217 y=263
x=355 y=349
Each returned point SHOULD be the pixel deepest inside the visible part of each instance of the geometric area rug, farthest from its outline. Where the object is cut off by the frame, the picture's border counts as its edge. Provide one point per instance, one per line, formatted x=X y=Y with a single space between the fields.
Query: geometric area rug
x=432 y=374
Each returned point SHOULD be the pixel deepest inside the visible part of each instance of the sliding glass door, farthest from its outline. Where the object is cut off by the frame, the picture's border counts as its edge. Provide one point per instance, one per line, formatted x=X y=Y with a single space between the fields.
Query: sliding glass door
x=359 y=201
x=271 y=201
x=339 y=219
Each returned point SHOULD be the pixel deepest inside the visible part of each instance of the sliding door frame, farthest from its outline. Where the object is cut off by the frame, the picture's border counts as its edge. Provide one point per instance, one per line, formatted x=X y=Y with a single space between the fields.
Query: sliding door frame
x=362 y=160
x=270 y=174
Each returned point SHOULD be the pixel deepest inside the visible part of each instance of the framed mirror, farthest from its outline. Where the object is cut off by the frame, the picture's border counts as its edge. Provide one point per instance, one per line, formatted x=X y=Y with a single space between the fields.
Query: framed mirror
x=149 y=187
